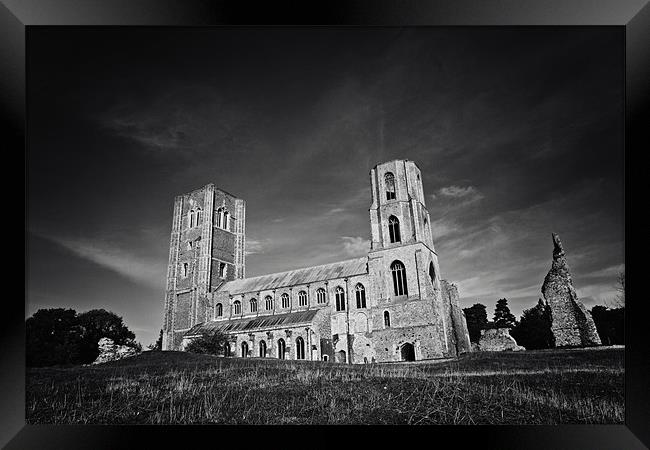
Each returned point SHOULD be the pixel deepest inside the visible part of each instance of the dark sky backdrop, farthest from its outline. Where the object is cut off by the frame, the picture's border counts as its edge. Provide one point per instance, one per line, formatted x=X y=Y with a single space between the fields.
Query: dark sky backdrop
x=518 y=132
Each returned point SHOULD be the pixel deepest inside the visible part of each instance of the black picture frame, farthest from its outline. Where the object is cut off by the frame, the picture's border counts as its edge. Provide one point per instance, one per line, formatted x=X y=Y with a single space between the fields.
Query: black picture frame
x=16 y=16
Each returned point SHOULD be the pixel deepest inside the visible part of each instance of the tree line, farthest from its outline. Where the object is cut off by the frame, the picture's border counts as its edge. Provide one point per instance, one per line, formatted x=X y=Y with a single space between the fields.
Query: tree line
x=59 y=336
x=533 y=329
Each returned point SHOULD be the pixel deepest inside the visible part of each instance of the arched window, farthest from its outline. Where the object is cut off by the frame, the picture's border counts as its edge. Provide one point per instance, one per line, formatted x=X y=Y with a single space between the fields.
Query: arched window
x=432 y=273
x=226 y=221
x=285 y=300
x=253 y=303
x=262 y=349
x=399 y=278
x=218 y=310
x=393 y=229
x=361 y=295
x=302 y=298
x=185 y=267
x=268 y=302
x=282 y=347
x=191 y=219
x=321 y=296
x=340 y=299
x=237 y=306
x=189 y=245
x=226 y=349
x=427 y=230
x=222 y=270
x=244 y=349
x=219 y=217
x=386 y=319
x=389 y=178
x=199 y=216
x=300 y=348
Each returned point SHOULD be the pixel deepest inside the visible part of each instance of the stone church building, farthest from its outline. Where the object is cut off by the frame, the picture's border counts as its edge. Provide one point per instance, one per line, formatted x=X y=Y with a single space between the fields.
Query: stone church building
x=390 y=305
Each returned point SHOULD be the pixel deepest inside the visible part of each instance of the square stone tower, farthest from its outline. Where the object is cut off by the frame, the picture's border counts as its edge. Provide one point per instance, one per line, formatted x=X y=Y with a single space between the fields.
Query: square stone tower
x=415 y=311
x=206 y=249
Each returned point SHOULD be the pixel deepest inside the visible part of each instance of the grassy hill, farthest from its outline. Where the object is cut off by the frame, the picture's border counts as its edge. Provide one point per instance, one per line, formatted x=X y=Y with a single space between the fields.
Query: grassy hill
x=534 y=387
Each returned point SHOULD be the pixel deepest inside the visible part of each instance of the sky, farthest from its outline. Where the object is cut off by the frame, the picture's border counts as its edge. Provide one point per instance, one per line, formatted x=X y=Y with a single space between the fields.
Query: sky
x=518 y=133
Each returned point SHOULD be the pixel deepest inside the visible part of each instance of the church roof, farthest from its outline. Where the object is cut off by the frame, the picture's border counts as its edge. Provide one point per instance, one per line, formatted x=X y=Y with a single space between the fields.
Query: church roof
x=306 y=275
x=253 y=323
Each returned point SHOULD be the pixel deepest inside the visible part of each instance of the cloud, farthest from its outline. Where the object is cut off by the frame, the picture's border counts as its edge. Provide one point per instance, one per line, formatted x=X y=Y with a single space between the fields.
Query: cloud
x=148 y=271
x=355 y=246
x=191 y=119
x=253 y=246
x=457 y=191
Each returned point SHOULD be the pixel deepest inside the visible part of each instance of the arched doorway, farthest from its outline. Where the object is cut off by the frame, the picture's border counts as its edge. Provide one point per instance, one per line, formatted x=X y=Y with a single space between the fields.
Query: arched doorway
x=282 y=347
x=340 y=356
x=262 y=349
x=408 y=352
x=300 y=348
x=244 y=349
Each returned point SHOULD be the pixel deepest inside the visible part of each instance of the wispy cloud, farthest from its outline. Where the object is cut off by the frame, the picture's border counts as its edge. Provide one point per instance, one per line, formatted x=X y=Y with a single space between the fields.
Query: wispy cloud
x=355 y=245
x=458 y=191
x=190 y=119
x=143 y=270
x=253 y=246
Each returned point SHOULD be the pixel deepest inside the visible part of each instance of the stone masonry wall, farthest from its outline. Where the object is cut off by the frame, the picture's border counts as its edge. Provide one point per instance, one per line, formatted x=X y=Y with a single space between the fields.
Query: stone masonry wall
x=572 y=325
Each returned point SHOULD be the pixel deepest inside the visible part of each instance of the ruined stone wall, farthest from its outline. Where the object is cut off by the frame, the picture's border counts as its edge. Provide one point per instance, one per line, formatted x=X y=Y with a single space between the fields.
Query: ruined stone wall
x=498 y=340
x=460 y=335
x=571 y=323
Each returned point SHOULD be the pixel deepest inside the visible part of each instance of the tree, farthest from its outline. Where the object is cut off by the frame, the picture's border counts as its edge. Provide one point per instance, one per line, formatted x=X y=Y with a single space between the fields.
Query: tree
x=476 y=318
x=61 y=336
x=609 y=324
x=534 y=329
x=157 y=346
x=209 y=343
x=53 y=336
x=99 y=323
x=503 y=318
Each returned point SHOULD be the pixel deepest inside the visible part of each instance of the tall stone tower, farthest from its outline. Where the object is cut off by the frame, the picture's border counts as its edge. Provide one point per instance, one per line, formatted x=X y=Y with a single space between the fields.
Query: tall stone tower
x=206 y=249
x=413 y=303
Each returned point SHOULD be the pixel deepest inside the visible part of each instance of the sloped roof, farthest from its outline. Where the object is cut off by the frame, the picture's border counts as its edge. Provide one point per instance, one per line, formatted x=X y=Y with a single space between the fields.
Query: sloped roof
x=253 y=323
x=340 y=269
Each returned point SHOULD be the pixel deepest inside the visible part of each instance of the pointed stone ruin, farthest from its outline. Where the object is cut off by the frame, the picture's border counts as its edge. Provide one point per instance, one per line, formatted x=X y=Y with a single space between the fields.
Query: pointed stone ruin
x=571 y=324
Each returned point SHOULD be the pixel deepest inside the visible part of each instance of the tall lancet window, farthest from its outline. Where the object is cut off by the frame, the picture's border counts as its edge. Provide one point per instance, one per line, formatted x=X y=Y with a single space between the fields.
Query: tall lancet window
x=399 y=278
x=432 y=273
x=393 y=229
x=340 y=299
x=219 y=217
x=199 y=216
x=191 y=219
x=390 y=186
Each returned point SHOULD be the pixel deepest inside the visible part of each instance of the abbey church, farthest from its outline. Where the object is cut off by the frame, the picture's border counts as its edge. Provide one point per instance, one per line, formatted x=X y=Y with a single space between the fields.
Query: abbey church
x=390 y=305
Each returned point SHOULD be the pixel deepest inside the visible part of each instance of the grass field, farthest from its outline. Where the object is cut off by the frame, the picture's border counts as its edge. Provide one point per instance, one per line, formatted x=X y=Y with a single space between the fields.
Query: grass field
x=535 y=387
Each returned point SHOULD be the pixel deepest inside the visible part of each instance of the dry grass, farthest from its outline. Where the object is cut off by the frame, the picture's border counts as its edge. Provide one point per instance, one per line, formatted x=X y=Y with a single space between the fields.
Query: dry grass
x=545 y=387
